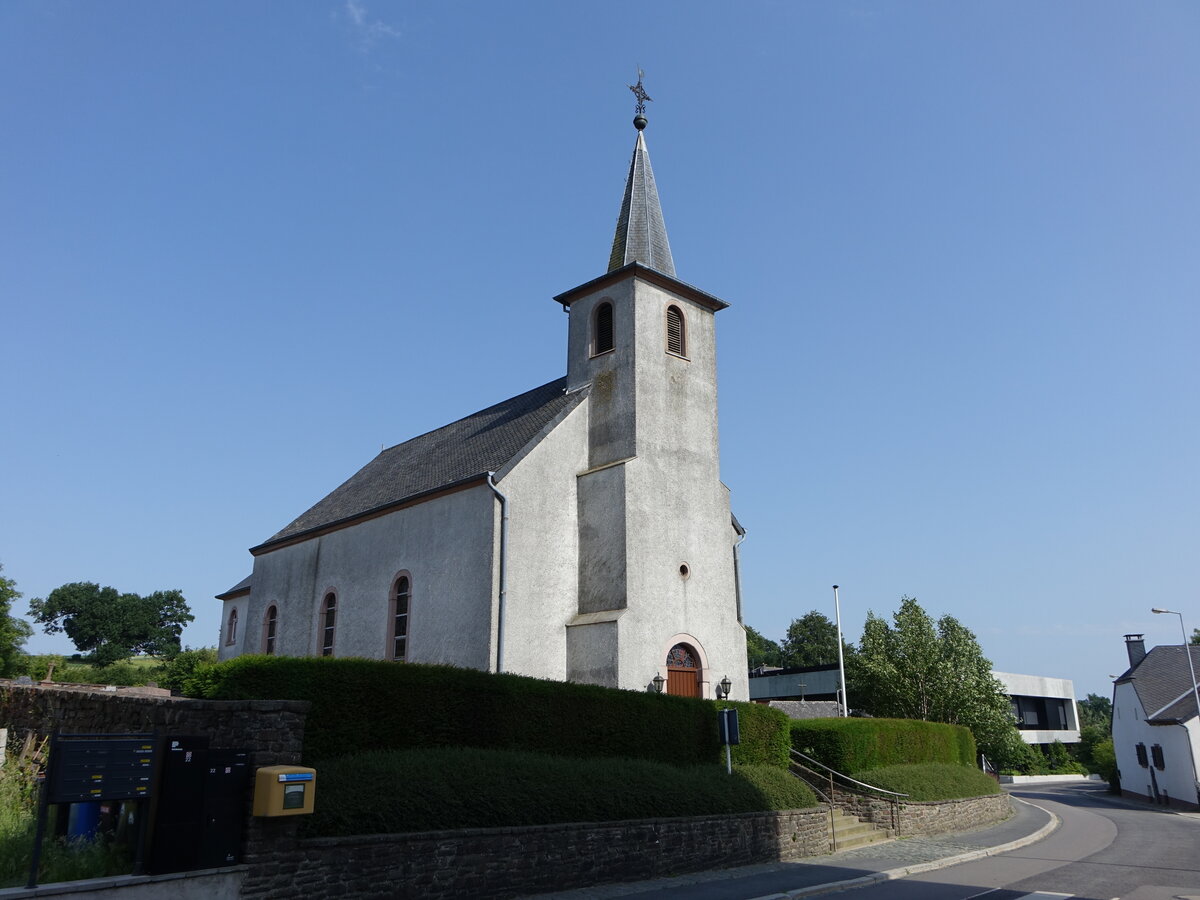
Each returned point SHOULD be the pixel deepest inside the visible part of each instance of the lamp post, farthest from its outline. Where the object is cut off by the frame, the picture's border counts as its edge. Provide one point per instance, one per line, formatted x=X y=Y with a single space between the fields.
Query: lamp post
x=658 y=682
x=1192 y=670
x=837 y=611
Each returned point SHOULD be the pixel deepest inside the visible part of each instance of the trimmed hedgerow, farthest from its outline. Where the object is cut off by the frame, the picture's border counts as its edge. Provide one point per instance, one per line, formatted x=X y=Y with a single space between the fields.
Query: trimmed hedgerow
x=853 y=745
x=365 y=704
x=384 y=792
x=765 y=735
x=931 y=781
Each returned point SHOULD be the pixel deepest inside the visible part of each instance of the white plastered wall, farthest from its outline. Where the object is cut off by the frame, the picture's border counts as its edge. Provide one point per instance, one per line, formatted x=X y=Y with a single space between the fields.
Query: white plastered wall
x=543 y=549
x=445 y=544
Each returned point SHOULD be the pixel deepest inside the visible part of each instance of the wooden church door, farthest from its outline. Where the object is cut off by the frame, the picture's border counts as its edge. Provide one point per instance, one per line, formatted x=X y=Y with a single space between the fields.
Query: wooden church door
x=683 y=675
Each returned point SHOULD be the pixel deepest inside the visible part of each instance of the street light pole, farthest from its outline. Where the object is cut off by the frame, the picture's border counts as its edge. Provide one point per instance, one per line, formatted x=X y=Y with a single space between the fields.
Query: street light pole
x=1186 y=652
x=1195 y=691
x=837 y=611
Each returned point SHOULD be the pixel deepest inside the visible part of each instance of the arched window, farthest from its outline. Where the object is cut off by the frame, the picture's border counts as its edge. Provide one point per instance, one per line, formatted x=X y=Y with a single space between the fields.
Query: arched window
x=401 y=595
x=676 y=335
x=328 y=623
x=269 y=621
x=602 y=338
x=231 y=627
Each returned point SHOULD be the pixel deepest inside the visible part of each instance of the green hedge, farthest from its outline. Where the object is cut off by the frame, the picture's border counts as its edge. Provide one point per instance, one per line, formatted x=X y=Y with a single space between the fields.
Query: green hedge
x=852 y=745
x=384 y=792
x=364 y=704
x=931 y=781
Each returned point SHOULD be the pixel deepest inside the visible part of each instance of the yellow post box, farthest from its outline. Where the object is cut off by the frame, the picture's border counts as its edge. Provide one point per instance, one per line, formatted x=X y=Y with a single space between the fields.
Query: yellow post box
x=284 y=790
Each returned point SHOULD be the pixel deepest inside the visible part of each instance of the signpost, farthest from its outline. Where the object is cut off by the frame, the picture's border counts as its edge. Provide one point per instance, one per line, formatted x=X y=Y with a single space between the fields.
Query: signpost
x=727 y=728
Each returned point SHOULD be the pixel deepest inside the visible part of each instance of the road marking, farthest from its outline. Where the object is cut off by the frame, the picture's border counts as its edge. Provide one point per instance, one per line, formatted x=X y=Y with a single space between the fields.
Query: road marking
x=1045 y=895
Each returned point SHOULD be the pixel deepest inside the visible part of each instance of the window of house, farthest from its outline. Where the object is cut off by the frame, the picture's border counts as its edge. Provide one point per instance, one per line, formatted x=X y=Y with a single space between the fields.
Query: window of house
x=269 y=621
x=1141 y=756
x=603 y=340
x=1156 y=754
x=401 y=595
x=329 y=623
x=231 y=627
x=676 y=336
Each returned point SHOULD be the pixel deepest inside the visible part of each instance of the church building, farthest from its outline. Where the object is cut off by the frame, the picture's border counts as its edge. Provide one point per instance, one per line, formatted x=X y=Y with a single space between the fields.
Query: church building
x=578 y=531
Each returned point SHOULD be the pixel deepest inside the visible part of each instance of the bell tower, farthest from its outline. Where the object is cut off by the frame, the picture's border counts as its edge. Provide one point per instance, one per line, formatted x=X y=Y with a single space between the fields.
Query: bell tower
x=655 y=533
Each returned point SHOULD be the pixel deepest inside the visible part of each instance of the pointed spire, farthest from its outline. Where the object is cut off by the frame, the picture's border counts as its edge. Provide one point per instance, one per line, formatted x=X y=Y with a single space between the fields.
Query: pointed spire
x=641 y=234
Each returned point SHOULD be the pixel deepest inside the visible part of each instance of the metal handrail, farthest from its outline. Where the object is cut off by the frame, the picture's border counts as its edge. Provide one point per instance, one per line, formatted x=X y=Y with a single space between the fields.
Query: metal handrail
x=870 y=787
x=892 y=798
x=828 y=801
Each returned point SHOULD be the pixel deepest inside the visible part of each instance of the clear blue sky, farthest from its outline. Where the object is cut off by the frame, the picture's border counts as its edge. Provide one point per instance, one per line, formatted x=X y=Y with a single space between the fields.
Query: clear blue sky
x=244 y=245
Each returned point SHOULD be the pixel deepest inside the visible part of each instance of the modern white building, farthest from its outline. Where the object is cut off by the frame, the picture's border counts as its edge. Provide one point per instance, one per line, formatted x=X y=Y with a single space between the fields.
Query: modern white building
x=1155 y=729
x=579 y=531
x=1044 y=707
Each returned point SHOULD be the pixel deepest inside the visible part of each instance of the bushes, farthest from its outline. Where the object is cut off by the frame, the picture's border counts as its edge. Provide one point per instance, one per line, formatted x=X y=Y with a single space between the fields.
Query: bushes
x=931 y=781
x=176 y=672
x=765 y=735
x=372 y=705
x=852 y=745
x=383 y=792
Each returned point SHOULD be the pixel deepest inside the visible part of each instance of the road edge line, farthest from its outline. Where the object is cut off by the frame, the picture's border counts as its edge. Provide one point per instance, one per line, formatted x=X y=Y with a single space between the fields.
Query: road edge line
x=892 y=874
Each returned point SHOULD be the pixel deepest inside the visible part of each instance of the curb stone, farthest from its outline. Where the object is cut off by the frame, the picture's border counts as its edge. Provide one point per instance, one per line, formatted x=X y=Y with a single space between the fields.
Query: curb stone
x=918 y=868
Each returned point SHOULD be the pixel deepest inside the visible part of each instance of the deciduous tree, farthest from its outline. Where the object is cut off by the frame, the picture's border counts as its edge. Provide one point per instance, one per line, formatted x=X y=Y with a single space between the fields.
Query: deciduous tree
x=811 y=640
x=1095 y=710
x=14 y=632
x=761 y=651
x=113 y=626
x=918 y=669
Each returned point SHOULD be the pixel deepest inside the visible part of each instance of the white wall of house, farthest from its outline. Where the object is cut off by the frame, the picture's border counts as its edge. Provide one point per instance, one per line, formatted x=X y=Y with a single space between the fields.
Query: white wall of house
x=1177 y=777
x=445 y=545
x=543 y=549
x=227 y=648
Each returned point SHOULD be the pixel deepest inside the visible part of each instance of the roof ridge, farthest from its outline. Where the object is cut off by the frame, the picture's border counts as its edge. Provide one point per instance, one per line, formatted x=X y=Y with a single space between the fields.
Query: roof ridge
x=479 y=412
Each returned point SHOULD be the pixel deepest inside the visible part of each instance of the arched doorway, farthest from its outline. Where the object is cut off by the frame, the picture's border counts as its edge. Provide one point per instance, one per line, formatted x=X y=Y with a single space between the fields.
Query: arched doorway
x=683 y=671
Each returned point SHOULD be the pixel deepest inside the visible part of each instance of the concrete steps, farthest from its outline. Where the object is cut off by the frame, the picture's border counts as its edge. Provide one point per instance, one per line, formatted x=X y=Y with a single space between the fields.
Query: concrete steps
x=848 y=832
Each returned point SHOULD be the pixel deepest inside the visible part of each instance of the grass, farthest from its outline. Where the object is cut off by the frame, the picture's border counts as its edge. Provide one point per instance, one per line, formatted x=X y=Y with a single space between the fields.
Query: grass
x=931 y=781
x=61 y=860
x=390 y=791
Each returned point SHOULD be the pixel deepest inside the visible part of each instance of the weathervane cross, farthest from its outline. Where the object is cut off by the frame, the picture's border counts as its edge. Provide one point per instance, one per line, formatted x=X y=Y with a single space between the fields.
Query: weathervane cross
x=640 y=93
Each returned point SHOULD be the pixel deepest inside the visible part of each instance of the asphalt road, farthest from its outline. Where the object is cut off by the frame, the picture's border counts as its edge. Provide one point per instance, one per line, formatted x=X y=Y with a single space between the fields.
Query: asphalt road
x=1103 y=850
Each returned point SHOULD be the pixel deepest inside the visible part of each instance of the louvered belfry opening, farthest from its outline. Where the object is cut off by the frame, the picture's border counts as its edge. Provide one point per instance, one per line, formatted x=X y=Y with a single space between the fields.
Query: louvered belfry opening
x=604 y=328
x=675 y=342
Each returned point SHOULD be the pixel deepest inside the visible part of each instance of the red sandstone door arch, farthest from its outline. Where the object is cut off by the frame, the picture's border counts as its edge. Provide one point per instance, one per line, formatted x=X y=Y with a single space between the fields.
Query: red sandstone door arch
x=683 y=671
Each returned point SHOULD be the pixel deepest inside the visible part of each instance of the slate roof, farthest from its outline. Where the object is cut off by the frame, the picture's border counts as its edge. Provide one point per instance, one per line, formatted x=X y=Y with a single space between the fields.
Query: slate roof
x=641 y=234
x=456 y=453
x=241 y=587
x=1161 y=681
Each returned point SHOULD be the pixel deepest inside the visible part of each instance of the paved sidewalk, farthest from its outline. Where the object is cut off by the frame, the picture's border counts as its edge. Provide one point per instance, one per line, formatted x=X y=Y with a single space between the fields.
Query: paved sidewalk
x=834 y=871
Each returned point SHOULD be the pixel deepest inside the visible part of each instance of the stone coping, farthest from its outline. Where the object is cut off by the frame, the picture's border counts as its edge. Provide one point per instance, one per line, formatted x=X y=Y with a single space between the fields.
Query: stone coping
x=100 y=692
x=115 y=882
x=450 y=833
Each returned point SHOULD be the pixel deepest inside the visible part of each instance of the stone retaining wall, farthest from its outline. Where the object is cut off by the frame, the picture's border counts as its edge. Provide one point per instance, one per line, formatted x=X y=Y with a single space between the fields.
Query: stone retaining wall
x=508 y=862
x=272 y=730
x=912 y=818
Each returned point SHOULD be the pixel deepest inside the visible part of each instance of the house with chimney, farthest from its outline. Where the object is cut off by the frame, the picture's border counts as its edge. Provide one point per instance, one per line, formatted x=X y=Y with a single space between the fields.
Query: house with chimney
x=1156 y=726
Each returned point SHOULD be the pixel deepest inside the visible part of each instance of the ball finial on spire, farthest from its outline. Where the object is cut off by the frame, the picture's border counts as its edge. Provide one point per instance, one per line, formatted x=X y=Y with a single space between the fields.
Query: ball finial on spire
x=640 y=121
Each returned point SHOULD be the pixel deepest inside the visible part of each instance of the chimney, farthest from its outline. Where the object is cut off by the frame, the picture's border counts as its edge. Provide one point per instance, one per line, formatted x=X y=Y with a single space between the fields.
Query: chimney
x=1136 y=648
